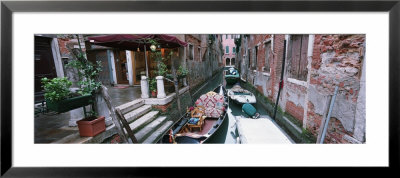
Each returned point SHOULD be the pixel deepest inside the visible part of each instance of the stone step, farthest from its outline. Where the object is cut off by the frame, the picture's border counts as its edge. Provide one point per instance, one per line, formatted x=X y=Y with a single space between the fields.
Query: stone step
x=142 y=121
x=77 y=139
x=156 y=135
x=127 y=107
x=131 y=116
x=143 y=133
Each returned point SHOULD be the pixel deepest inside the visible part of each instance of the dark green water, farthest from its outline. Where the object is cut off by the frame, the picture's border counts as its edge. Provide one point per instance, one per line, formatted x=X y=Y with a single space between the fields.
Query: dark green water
x=227 y=132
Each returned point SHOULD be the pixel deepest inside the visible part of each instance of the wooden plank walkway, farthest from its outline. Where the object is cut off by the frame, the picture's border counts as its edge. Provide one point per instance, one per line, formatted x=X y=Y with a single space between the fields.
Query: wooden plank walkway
x=260 y=131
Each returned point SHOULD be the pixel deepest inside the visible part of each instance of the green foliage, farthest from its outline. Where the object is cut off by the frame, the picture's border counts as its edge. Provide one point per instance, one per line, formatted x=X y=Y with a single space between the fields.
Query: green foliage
x=56 y=89
x=87 y=72
x=153 y=84
x=308 y=137
x=162 y=68
x=211 y=38
x=182 y=72
x=238 y=42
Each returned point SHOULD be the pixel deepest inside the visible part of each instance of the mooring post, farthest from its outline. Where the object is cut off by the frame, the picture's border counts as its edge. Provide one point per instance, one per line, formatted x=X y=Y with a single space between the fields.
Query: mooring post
x=281 y=81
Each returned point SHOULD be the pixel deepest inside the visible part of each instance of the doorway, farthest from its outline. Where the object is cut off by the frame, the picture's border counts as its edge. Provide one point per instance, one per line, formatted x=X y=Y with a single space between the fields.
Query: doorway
x=44 y=65
x=121 y=67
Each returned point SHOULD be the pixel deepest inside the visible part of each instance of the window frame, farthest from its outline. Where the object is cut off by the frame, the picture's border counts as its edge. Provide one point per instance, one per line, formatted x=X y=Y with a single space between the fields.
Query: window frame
x=191 y=51
x=267 y=65
x=303 y=58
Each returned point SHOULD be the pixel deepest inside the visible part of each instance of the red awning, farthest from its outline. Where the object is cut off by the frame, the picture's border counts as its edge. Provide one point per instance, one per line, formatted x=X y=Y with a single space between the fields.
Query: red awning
x=132 y=42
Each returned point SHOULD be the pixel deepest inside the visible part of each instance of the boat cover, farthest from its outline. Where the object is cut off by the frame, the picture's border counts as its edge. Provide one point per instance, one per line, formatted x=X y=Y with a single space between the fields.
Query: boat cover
x=213 y=102
x=249 y=109
x=237 y=89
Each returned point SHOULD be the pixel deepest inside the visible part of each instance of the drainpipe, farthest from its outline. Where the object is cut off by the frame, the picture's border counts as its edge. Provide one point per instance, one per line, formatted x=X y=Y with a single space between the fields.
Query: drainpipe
x=329 y=115
x=281 y=81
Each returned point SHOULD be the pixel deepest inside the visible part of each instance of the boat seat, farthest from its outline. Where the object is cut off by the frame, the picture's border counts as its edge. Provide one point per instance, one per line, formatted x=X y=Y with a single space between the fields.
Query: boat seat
x=197 y=118
x=213 y=104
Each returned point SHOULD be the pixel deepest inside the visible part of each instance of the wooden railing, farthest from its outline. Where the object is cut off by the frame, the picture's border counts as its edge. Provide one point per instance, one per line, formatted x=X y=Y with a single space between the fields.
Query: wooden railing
x=118 y=119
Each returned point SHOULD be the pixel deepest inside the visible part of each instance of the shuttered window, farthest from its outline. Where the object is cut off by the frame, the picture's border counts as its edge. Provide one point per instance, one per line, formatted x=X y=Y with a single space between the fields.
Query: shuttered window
x=254 y=62
x=233 y=50
x=267 y=56
x=297 y=57
x=191 y=52
x=227 y=49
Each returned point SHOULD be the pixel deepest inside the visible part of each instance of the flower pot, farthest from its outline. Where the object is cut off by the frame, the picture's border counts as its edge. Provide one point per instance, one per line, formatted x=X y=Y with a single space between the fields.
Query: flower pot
x=69 y=104
x=90 y=128
x=154 y=94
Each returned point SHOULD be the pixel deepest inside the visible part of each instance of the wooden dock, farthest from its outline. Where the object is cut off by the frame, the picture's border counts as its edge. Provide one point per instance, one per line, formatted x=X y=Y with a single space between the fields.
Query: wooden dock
x=260 y=131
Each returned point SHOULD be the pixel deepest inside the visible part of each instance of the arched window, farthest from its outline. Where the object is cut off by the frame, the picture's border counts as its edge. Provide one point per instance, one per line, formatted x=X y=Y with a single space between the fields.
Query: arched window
x=227 y=62
x=232 y=61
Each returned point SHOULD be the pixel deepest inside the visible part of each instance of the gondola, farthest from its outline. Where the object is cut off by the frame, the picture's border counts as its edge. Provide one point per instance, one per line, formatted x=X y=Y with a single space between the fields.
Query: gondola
x=186 y=131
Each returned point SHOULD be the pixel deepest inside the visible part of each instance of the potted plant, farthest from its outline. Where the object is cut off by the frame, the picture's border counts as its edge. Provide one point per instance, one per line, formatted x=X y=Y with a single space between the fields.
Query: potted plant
x=59 y=98
x=88 y=83
x=91 y=125
x=153 y=87
x=182 y=72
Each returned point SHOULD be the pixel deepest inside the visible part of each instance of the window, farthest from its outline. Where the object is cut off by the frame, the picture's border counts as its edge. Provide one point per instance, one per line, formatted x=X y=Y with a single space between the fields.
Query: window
x=254 y=63
x=267 y=56
x=297 y=57
x=233 y=50
x=191 y=52
x=227 y=50
x=249 y=58
x=226 y=36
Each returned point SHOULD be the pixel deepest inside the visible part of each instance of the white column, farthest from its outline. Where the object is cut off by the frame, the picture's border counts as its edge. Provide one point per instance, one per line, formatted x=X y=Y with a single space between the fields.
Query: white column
x=160 y=87
x=129 y=64
x=184 y=82
x=144 y=85
x=114 y=73
x=57 y=57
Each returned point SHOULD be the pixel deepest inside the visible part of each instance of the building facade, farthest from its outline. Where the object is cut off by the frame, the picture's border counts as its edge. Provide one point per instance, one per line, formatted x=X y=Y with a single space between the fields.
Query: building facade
x=314 y=65
x=229 y=47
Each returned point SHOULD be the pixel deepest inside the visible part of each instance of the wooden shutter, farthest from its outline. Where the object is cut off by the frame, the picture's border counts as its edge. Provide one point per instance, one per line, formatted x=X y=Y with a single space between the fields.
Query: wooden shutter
x=267 y=54
x=302 y=73
x=295 y=60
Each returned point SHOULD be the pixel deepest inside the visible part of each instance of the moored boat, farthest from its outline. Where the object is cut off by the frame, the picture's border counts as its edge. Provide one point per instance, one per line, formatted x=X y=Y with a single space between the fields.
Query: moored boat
x=263 y=130
x=231 y=75
x=241 y=96
x=201 y=121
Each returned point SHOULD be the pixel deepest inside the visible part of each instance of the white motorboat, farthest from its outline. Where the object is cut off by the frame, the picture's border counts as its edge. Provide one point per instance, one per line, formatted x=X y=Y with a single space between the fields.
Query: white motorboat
x=240 y=95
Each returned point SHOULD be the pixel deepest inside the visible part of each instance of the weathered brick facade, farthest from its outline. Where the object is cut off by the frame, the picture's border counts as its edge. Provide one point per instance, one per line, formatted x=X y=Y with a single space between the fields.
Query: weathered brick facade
x=211 y=54
x=329 y=61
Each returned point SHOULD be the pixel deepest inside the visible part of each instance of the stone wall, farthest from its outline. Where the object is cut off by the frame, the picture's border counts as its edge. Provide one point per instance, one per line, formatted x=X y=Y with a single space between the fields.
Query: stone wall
x=337 y=61
x=202 y=68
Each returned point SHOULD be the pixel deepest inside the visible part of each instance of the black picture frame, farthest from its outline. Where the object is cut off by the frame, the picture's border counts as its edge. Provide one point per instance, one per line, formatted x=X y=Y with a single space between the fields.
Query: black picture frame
x=8 y=7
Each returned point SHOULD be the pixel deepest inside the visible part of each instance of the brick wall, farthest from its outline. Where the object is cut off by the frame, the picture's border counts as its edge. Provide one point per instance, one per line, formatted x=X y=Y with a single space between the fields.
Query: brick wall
x=337 y=61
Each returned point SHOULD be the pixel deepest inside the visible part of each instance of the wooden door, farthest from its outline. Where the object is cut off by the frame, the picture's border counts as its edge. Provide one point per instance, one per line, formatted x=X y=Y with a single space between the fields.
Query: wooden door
x=44 y=64
x=120 y=65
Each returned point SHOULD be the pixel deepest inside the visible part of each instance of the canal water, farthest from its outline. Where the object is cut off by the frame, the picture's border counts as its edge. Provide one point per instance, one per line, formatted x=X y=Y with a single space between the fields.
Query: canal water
x=227 y=133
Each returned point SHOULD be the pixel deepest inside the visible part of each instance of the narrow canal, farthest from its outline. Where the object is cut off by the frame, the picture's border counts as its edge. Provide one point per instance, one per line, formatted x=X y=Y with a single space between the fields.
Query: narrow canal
x=227 y=133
